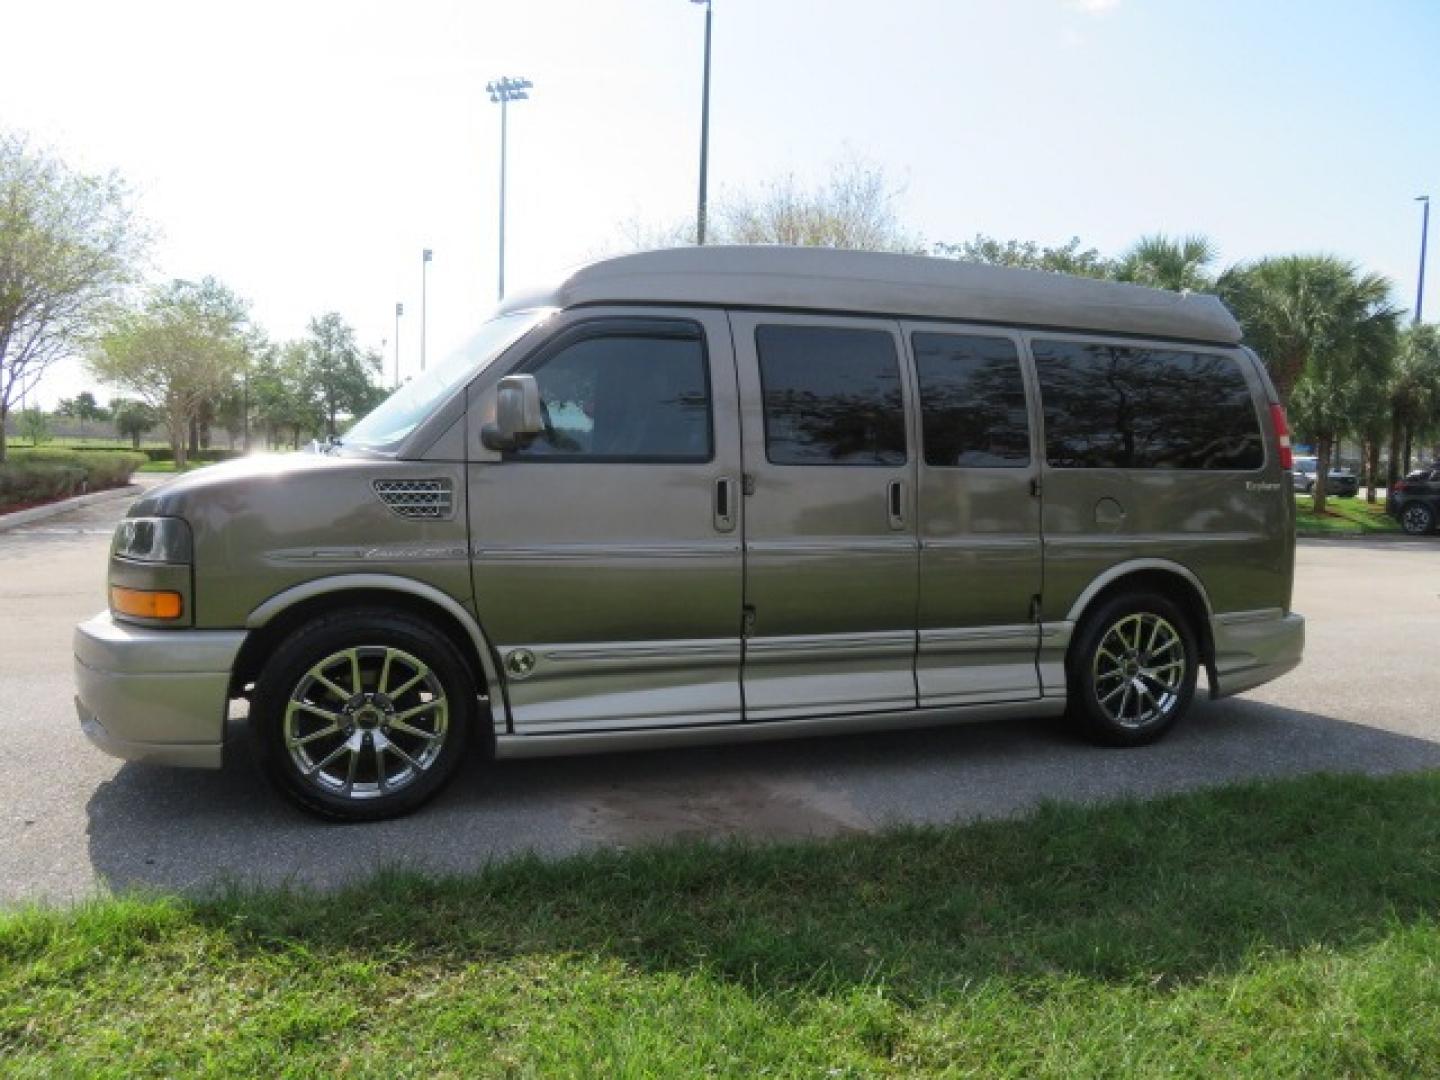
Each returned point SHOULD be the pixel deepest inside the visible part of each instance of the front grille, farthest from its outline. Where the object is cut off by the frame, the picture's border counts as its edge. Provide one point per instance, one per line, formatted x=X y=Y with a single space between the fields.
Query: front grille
x=427 y=500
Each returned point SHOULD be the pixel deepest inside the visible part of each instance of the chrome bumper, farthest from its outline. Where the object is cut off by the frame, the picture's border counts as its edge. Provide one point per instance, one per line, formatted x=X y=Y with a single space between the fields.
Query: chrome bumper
x=158 y=696
x=1253 y=647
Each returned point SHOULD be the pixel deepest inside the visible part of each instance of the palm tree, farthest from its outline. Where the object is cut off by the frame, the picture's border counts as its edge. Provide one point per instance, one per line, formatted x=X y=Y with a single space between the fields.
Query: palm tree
x=1315 y=317
x=1166 y=263
x=1414 y=396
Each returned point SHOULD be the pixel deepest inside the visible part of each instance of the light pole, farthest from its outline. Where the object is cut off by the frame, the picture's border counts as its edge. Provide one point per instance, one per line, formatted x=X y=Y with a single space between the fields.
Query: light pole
x=1424 y=237
x=424 y=273
x=399 y=310
x=704 y=129
x=503 y=91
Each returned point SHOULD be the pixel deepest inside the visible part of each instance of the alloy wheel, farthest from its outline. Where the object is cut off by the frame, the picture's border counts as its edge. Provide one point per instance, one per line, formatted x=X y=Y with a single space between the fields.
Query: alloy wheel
x=1139 y=670
x=366 y=722
x=1416 y=518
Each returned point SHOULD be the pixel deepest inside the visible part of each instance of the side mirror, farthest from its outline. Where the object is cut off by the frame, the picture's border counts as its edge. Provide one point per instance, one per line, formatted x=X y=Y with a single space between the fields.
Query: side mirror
x=517 y=413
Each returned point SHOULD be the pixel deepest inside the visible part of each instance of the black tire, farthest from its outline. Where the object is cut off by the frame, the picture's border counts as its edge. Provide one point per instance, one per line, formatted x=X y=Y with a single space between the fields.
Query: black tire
x=1417 y=518
x=428 y=725
x=1095 y=681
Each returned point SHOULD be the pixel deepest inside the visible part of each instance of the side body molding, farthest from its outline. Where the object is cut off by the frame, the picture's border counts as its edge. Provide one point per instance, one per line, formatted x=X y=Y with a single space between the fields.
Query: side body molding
x=396 y=583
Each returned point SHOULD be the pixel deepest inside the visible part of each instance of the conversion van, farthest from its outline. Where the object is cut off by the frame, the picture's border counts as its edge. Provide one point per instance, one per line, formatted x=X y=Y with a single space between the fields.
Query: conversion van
x=722 y=494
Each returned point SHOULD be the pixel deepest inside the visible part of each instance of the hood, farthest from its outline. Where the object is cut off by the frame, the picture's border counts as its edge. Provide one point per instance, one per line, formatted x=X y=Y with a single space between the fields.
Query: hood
x=171 y=498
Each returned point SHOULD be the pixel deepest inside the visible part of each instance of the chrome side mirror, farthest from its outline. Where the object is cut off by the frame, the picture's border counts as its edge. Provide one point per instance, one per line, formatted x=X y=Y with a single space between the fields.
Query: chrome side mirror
x=517 y=413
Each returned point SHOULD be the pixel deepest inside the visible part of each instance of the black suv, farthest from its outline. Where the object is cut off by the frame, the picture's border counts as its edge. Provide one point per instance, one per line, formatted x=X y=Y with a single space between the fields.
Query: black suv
x=1415 y=501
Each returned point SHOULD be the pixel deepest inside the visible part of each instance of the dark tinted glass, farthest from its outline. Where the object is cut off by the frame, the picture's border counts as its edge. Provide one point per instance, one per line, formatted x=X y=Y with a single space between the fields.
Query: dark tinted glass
x=972 y=401
x=1110 y=406
x=624 y=399
x=832 y=396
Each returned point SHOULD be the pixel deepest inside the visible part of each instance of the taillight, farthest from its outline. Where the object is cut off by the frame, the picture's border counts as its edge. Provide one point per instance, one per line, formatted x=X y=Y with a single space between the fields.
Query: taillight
x=1400 y=485
x=1282 y=435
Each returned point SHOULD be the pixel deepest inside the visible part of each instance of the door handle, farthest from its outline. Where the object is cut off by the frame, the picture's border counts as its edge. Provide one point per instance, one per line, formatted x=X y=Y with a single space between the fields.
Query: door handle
x=725 y=504
x=895 y=503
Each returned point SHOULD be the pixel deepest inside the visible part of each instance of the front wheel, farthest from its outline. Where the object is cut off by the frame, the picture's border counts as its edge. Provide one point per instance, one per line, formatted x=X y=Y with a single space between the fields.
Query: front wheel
x=1132 y=669
x=362 y=715
x=1417 y=519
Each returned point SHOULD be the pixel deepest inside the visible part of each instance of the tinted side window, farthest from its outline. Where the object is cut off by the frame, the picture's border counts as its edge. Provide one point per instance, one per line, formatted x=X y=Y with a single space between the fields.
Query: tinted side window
x=972 y=401
x=624 y=398
x=832 y=396
x=1111 y=406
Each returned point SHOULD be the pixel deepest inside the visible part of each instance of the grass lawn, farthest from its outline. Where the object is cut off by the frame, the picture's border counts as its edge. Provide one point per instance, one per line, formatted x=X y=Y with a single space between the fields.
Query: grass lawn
x=1343 y=516
x=1269 y=929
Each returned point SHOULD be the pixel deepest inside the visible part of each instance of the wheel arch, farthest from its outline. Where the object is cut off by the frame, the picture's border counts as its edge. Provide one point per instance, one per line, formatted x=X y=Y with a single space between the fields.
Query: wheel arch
x=282 y=613
x=1166 y=577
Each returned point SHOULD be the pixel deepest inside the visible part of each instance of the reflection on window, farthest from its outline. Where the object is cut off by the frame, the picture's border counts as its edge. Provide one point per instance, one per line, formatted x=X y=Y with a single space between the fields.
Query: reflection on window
x=1110 y=406
x=832 y=396
x=972 y=401
x=624 y=398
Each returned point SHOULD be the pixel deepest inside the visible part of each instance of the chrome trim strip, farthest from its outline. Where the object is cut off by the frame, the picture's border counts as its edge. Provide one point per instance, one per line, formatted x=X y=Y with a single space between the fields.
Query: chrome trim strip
x=1130 y=566
x=545 y=745
x=722 y=650
x=1152 y=539
x=593 y=552
x=978 y=634
x=1232 y=618
x=973 y=542
x=782 y=649
x=898 y=544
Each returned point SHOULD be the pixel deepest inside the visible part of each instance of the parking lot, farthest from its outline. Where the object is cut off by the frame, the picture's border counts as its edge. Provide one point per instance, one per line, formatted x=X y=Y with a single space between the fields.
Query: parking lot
x=1366 y=699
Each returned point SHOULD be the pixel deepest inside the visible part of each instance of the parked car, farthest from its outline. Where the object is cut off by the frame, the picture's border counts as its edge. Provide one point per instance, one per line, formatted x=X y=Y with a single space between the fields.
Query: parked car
x=1415 y=501
x=722 y=494
x=1341 y=480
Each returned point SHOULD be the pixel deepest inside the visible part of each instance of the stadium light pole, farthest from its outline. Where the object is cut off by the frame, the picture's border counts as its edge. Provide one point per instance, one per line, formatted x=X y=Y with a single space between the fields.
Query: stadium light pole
x=424 y=273
x=503 y=91
x=1424 y=238
x=701 y=210
x=399 y=310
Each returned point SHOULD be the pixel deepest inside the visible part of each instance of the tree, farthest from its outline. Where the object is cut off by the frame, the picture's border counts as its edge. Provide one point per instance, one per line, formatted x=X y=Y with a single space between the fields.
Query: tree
x=133 y=419
x=338 y=373
x=1414 y=393
x=69 y=243
x=178 y=354
x=1294 y=308
x=81 y=407
x=1068 y=258
x=1165 y=263
x=35 y=426
x=280 y=394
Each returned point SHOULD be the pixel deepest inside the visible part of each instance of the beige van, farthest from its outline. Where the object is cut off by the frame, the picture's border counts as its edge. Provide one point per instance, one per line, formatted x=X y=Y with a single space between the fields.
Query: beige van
x=721 y=494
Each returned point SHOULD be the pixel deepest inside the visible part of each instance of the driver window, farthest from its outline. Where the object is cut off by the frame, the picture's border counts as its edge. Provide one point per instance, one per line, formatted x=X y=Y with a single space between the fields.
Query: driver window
x=623 y=398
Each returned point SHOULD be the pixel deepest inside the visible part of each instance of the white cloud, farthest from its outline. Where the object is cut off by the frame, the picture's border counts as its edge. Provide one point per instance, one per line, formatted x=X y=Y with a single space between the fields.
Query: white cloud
x=1092 y=7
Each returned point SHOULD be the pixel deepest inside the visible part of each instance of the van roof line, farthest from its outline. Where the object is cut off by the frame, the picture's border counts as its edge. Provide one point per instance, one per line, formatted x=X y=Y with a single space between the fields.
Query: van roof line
x=922 y=286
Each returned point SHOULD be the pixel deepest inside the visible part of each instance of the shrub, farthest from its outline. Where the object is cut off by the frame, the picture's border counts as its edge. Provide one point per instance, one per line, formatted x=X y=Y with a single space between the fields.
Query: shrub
x=213 y=454
x=41 y=475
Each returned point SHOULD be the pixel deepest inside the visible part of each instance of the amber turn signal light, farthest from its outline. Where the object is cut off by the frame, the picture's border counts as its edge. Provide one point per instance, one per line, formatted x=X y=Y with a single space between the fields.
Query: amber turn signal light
x=145 y=604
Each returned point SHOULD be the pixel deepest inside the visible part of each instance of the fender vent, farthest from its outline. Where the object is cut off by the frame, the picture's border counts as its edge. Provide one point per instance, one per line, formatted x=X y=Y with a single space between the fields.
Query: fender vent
x=423 y=500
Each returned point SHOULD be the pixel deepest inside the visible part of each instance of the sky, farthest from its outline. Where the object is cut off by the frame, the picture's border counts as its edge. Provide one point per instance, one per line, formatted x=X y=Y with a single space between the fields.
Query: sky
x=305 y=152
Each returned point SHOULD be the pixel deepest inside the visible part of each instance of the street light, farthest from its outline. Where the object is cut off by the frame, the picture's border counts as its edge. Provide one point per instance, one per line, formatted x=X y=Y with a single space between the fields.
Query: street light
x=424 y=273
x=503 y=91
x=1424 y=236
x=399 y=310
x=704 y=129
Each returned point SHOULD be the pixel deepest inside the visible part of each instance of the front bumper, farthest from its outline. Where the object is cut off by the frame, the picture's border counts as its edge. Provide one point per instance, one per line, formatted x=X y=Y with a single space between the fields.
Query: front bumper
x=159 y=696
x=1253 y=647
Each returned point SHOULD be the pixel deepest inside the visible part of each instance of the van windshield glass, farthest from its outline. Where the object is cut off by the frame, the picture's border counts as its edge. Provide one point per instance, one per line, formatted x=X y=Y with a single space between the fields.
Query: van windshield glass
x=402 y=411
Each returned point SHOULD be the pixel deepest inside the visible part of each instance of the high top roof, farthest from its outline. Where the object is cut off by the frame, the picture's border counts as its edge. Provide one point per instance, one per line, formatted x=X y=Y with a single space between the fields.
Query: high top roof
x=879 y=283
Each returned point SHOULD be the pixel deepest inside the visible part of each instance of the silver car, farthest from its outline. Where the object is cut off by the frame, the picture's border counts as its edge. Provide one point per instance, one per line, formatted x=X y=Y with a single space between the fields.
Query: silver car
x=722 y=494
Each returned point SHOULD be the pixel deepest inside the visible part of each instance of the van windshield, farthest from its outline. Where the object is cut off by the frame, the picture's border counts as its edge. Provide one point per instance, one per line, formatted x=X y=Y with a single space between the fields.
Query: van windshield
x=402 y=411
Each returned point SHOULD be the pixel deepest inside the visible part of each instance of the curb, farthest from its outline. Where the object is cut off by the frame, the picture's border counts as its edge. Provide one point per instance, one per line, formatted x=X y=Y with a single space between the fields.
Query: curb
x=40 y=513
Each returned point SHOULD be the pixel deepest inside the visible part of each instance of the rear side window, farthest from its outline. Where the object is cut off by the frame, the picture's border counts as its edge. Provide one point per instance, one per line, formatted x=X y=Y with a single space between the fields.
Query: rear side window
x=972 y=401
x=1114 y=406
x=831 y=395
x=624 y=397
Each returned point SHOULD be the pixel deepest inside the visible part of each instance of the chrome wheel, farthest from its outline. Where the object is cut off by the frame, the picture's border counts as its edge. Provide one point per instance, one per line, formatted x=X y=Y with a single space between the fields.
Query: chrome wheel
x=1139 y=670
x=366 y=722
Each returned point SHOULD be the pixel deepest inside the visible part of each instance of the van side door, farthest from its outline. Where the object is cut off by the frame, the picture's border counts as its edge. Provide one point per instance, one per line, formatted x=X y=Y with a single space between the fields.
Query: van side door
x=978 y=516
x=830 y=548
x=606 y=550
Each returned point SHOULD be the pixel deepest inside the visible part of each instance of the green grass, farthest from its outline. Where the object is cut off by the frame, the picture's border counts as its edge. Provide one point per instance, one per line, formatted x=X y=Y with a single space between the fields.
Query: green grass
x=1350 y=516
x=1269 y=929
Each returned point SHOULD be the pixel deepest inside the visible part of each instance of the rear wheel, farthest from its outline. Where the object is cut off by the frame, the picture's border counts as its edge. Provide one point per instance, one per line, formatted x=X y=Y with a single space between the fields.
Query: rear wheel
x=1132 y=669
x=1417 y=519
x=362 y=715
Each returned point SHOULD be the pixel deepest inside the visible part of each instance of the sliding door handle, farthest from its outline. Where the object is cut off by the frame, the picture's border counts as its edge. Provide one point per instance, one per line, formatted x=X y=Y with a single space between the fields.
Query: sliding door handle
x=895 y=503
x=725 y=492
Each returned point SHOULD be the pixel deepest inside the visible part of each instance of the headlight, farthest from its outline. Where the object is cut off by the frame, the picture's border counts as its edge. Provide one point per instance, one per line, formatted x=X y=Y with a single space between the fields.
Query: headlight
x=153 y=539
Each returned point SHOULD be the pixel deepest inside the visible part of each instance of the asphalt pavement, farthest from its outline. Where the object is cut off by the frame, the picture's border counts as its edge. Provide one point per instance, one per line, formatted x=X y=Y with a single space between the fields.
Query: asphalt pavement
x=74 y=821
